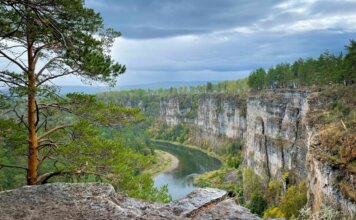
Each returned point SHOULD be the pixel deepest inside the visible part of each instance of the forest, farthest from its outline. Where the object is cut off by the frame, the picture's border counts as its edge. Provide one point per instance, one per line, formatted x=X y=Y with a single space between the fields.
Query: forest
x=327 y=69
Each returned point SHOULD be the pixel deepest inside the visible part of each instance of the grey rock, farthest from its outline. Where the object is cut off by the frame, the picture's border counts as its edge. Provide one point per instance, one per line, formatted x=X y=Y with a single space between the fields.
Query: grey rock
x=226 y=210
x=100 y=201
x=217 y=114
x=276 y=138
x=231 y=177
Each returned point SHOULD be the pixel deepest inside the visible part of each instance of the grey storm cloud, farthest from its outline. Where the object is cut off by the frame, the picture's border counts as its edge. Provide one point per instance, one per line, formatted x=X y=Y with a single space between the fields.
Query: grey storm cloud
x=167 y=40
x=211 y=40
x=165 y=18
x=142 y=19
x=198 y=40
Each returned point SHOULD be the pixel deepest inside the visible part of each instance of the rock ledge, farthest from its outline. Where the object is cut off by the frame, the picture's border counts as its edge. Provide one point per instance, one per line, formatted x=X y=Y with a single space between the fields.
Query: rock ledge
x=100 y=201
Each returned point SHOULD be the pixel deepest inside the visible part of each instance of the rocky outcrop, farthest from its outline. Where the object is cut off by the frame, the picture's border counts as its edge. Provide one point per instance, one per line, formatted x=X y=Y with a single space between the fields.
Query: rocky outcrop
x=222 y=115
x=100 y=201
x=170 y=110
x=277 y=134
x=281 y=139
x=214 y=114
x=324 y=187
x=276 y=139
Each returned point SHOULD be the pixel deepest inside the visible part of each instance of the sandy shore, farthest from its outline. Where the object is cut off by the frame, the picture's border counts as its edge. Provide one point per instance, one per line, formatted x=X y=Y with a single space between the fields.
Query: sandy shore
x=173 y=163
x=166 y=163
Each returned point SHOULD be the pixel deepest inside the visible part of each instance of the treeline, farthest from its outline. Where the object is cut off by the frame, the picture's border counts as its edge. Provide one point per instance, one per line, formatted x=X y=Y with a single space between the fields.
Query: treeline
x=328 y=68
x=228 y=86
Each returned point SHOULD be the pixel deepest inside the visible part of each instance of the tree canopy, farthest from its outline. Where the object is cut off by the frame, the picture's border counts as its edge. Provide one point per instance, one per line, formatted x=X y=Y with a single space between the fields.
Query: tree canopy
x=41 y=41
x=326 y=69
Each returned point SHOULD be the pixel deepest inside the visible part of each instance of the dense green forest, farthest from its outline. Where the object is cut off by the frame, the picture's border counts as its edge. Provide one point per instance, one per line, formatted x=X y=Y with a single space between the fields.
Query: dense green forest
x=327 y=69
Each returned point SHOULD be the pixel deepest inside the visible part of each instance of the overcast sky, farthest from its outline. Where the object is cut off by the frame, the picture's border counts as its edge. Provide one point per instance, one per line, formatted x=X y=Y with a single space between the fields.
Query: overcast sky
x=209 y=40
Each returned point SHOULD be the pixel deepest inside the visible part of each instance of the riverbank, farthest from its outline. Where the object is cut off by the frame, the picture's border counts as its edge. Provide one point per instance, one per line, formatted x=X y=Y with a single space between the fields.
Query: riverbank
x=210 y=153
x=226 y=177
x=165 y=163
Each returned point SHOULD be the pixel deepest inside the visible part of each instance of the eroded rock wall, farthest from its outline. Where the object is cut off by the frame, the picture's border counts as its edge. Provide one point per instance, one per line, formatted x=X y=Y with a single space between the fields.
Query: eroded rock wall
x=215 y=114
x=280 y=138
x=170 y=111
x=276 y=136
x=324 y=183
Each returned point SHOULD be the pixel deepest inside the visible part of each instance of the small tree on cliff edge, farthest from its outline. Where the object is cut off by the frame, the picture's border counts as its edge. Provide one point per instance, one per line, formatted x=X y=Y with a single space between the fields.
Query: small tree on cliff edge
x=46 y=39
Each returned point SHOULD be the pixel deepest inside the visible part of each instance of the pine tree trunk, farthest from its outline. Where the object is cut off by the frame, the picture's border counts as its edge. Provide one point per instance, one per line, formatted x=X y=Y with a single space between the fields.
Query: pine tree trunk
x=32 y=118
x=33 y=142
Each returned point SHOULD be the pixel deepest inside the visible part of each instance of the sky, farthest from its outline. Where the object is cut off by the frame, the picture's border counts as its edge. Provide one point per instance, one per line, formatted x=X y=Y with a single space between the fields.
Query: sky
x=213 y=40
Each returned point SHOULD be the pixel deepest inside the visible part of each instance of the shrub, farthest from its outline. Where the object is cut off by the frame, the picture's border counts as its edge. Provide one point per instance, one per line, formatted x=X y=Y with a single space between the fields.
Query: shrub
x=293 y=200
x=273 y=212
x=234 y=161
x=274 y=192
x=258 y=204
x=251 y=184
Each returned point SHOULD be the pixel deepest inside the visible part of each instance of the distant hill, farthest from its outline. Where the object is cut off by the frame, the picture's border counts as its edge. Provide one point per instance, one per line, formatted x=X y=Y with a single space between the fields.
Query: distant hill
x=97 y=89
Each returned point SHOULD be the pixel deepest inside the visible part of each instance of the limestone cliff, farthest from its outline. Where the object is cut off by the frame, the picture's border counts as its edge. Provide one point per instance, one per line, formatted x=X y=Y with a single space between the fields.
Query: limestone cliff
x=100 y=201
x=332 y=149
x=278 y=138
x=214 y=114
x=324 y=187
x=281 y=138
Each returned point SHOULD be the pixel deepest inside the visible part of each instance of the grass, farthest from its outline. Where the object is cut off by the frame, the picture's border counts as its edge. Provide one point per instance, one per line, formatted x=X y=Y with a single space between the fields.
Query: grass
x=348 y=190
x=333 y=113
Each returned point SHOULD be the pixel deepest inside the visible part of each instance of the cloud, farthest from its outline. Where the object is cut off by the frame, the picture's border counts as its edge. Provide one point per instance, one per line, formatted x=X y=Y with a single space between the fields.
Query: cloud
x=157 y=18
x=143 y=19
x=170 y=38
x=218 y=55
x=195 y=40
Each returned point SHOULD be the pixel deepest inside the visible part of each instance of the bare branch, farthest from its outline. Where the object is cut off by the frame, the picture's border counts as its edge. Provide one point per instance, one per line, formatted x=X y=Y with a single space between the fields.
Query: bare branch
x=37 y=115
x=54 y=145
x=13 y=60
x=20 y=117
x=54 y=77
x=12 y=166
x=8 y=75
x=45 y=177
x=53 y=130
x=46 y=66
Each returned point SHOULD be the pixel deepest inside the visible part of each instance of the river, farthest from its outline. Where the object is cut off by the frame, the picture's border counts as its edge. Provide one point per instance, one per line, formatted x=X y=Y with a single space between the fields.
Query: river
x=191 y=163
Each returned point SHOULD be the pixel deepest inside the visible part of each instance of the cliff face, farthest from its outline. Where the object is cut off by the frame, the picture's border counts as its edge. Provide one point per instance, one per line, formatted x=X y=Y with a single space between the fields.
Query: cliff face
x=100 y=201
x=171 y=112
x=332 y=150
x=276 y=139
x=324 y=187
x=273 y=127
x=221 y=116
x=214 y=114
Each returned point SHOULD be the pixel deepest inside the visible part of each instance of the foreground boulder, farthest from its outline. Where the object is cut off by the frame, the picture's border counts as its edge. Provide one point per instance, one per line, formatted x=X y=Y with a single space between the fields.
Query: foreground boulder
x=100 y=201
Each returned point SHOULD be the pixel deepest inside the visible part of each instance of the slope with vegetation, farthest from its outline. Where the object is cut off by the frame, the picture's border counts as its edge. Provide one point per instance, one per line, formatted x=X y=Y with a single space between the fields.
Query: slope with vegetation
x=173 y=114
